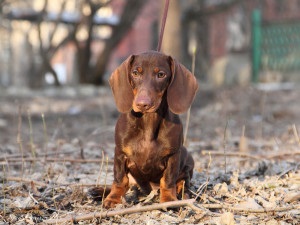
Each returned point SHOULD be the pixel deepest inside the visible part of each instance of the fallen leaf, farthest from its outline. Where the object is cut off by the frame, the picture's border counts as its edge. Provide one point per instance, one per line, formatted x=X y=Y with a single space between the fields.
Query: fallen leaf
x=221 y=189
x=250 y=203
x=234 y=180
x=292 y=197
x=272 y=222
x=227 y=218
x=265 y=203
x=23 y=203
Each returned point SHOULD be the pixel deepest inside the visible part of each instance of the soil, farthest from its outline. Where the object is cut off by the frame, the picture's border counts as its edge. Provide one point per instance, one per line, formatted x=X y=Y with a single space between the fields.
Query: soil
x=58 y=144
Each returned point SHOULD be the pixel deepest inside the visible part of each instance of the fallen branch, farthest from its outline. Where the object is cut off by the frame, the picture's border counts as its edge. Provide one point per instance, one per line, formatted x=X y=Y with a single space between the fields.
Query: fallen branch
x=232 y=154
x=245 y=155
x=72 y=160
x=38 y=155
x=282 y=154
x=250 y=210
x=39 y=183
x=24 y=180
x=131 y=210
x=164 y=206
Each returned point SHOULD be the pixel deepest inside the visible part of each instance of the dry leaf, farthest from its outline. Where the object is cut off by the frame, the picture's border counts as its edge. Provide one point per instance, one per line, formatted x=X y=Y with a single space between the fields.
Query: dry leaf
x=234 y=179
x=221 y=189
x=249 y=204
x=153 y=194
x=227 y=218
x=291 y=197
x=265 y=203
x=272 y=222
x=23 y=203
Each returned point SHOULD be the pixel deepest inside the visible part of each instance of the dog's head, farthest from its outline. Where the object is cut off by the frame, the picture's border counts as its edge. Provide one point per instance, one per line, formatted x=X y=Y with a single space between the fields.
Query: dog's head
x=141 y=81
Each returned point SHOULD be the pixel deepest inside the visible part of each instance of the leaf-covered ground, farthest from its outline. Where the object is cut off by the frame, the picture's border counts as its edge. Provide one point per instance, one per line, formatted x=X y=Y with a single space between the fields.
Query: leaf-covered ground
x=57 y=145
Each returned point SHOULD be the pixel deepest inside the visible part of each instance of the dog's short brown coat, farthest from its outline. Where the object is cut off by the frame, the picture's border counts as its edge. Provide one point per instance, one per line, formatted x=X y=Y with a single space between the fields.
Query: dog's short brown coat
x=150 y=90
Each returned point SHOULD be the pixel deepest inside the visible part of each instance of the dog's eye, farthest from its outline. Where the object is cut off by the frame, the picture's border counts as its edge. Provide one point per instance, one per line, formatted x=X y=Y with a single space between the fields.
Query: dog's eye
x=135 y=73
x=161 y=74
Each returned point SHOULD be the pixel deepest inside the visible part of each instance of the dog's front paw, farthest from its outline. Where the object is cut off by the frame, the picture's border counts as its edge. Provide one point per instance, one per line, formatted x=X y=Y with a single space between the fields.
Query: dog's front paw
x=116 y=194
x=111 y=202
x=168 y=195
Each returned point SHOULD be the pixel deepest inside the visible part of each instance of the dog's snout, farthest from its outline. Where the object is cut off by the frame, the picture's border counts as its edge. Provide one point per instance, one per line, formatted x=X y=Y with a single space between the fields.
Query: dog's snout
x=143 y=103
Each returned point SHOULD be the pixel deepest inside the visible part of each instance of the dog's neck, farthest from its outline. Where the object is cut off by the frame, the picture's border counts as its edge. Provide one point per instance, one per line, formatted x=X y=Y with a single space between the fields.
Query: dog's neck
x=147 y=124
x=151 y=122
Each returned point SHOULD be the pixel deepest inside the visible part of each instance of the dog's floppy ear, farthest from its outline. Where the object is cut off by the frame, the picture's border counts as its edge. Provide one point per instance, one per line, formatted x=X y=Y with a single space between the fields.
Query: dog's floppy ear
x=182 y=88
x=120 y=85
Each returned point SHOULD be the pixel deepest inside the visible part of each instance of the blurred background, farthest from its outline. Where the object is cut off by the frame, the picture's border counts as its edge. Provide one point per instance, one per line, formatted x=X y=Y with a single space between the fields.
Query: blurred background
x=58 y=116
x=71 y=42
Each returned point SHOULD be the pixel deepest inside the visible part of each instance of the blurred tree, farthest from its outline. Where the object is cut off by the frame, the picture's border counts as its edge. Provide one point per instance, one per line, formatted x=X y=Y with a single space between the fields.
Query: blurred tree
x=130 y=13
x=172 y=40
x=88 y=72
x=93 y=73
x=195 y=26
x=44 y=51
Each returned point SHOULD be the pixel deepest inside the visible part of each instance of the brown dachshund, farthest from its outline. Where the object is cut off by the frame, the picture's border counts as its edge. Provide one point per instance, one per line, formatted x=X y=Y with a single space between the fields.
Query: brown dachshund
x=150 y=89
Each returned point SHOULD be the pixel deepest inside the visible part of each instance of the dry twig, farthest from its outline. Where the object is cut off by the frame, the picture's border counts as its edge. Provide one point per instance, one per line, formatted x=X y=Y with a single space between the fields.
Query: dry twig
x=296 y=134
x=251 y=210
x=232 y=154
x=282 y=154
x=131 y=210
x=225 y=147
x=39 y=183
x=72 y=160
x=38 y=155
x=24 y=180
x=189 y=110
x=245 y=155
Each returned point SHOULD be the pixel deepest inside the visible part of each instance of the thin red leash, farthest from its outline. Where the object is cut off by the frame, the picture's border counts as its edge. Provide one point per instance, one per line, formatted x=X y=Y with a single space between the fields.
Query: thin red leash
x=163 y=23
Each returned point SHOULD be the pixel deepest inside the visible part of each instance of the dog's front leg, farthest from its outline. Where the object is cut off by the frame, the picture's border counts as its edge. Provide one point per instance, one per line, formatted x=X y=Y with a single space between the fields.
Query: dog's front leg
x=168 y=180
x=121 y=182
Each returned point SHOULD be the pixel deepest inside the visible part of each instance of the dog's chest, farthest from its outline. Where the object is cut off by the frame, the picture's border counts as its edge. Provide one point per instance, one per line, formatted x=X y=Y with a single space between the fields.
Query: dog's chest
x=144 y=147
x=145 y=153
x=148 y=141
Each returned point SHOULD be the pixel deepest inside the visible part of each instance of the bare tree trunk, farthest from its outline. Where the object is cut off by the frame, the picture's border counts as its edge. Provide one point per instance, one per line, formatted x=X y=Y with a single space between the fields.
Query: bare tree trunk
x=130 y=12
x=45 y=53
x=197 y=18
x=46 y=66
x=172 y=42
x=86 y=72
x=84 y=51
